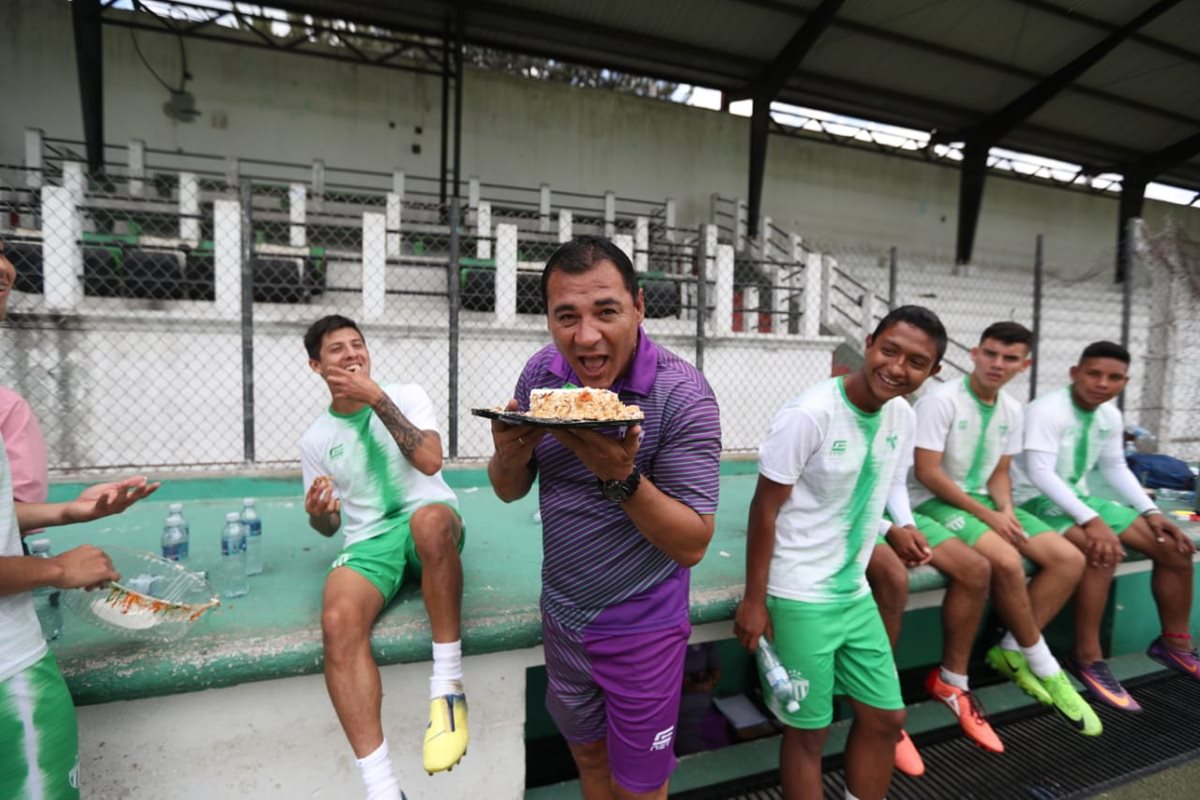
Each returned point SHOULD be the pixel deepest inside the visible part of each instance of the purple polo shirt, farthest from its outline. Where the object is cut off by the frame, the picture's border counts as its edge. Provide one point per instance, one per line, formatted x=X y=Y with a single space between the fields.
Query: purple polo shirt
x=598 y=571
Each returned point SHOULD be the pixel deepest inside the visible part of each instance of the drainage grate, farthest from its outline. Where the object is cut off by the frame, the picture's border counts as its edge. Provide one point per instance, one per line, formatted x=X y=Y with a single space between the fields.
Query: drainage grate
x=1043 y=758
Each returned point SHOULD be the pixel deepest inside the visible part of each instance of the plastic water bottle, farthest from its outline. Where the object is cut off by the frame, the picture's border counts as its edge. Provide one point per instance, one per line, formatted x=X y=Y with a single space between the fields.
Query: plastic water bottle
x=175 y=535
x=776 y=676
x=231 y=567
x=47 y=599
x=252 y=522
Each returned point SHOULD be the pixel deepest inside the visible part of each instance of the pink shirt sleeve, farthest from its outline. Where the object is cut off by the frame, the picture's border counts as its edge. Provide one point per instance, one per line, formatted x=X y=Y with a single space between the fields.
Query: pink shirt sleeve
x=26 y=448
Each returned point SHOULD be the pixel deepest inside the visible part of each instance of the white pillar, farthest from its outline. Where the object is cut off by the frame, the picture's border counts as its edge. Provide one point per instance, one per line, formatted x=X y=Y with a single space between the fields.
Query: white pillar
x=189 y=207
x=394 y=206
x=816 y=295
x=723 y=307
x=641 y=244
x=624 y=243
x=398 y=183
x=669 y=219
x=137 y=168
x=473 y=192
x=33 y=158
x=714 y=208
x=544 y=208
x=297 y=212
x=750 y=309
x=73 y=179
x=374 y=251
x=483 y=230
x=227 y=257
x=564 y=226
x=506 y=274
x=610 y=214
x=764 y=239
x=62 y=252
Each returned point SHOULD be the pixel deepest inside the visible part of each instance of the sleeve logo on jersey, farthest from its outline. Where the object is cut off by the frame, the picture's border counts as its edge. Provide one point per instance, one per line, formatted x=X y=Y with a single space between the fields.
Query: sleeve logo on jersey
x=892 y=439
x=1003 y=429
x=839 y=447
x=1105 y=431
x=336 y=452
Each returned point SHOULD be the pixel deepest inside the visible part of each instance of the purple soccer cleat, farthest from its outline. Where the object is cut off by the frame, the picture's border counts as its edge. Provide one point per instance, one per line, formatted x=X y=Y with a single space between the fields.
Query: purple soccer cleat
x=1183 y=661
x=1101 y=684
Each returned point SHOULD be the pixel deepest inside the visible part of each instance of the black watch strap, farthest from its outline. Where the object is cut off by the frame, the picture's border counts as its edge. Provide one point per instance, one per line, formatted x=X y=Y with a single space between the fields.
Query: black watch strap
x=620 y=491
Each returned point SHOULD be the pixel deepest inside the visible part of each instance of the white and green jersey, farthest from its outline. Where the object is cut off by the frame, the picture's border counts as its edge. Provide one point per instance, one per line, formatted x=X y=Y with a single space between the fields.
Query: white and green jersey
x=21 y=642
x=1078 y=438
x=840 y=462
x=971 y=435
x=374 y=481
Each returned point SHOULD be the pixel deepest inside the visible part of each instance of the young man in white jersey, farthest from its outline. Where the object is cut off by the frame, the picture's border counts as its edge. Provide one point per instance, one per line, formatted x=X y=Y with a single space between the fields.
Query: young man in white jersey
x=1068 y=432
x=826 y=467
x=968 y=430
x=40 y=753
x=372 y=468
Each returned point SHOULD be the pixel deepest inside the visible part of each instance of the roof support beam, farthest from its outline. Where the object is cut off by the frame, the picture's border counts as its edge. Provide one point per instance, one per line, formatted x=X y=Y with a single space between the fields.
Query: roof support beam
x=764 y=89
x=89 y=62
x=981 y=136
x=1133 y=190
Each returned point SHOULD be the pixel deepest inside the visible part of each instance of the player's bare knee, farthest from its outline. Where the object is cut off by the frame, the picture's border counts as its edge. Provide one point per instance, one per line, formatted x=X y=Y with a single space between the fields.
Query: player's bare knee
x=1068 y=560
x=342 y=625
x=973 y=572
x=809 y=744
x=435 y=532
x=1169 y=557
x=882 y=723
x=889 y=582
x=591 y=757
x=1008 y=570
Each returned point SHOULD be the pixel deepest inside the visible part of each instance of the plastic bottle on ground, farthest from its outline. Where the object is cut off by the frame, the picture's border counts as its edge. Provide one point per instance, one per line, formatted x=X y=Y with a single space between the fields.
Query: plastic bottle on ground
x=230 y=576
x=252 y=522
x=176 y=536
x=47 y=599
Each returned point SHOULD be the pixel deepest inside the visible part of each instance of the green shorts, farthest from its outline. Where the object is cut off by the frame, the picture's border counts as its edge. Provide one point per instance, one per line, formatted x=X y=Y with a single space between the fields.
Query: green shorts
x=386 y=558
x=1116 y=515
x=933 y=532
x=37 y=716
x=969 y=527
x=828 y=649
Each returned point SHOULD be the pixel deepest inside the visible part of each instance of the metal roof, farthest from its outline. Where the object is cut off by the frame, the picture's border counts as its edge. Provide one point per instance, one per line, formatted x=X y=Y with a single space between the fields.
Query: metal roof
x=936 y=65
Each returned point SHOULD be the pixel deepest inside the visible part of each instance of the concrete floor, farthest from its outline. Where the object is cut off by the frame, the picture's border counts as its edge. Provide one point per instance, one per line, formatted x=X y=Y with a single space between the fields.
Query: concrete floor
x=1173 y=784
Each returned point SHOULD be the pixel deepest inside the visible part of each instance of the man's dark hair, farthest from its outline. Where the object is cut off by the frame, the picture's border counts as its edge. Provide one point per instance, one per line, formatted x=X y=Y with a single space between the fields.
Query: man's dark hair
x=325 y=325
x=1105 y=350
x=1008 y=332
x=581 y=254
x=921 y=318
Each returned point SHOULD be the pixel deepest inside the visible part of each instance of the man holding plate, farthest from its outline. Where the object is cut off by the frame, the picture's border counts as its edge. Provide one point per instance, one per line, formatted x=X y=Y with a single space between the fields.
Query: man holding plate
x=625 y=513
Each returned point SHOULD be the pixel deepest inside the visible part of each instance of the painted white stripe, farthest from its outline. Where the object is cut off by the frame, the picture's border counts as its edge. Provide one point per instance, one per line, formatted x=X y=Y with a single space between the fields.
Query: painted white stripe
x=23 y=698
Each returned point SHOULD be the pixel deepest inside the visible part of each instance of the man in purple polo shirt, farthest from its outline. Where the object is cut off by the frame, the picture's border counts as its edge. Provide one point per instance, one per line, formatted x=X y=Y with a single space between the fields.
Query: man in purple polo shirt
x=624 y=515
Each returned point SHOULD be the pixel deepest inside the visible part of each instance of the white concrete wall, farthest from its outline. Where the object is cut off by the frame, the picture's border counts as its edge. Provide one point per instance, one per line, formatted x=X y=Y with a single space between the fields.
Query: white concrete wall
x=294 y=108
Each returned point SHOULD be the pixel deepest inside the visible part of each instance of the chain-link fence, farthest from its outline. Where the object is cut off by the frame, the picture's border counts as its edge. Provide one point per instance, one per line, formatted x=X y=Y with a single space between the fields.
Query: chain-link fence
x=158 y=314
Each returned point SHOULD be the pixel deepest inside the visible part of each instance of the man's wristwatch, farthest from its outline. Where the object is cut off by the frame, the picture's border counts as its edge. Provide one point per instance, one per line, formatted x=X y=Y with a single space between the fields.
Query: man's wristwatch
x=620 y=490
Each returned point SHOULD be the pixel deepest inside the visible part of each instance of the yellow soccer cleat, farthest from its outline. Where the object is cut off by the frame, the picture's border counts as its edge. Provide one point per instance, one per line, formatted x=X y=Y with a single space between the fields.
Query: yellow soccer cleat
x=446 y=735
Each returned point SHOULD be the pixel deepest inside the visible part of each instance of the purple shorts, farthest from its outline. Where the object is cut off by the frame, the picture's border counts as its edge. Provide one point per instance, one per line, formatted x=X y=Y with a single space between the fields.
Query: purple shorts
x=623 y=689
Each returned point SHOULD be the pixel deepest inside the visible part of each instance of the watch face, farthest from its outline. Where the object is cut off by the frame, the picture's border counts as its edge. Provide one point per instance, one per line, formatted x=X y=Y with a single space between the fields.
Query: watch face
x=620 y=491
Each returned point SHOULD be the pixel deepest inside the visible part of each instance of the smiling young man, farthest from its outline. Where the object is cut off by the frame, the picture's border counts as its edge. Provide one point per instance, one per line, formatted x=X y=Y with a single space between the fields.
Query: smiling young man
x=1068 y=432
x=378 y=455
x=827 y=465
x=968 y=430
x=624 y=517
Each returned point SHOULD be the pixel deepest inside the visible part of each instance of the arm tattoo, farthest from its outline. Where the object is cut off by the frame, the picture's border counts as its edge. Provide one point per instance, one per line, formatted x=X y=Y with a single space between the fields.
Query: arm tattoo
x=408 y=437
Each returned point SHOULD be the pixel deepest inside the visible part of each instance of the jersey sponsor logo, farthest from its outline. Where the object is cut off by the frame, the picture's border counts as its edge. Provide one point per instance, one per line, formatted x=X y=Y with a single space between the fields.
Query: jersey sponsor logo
x=962 y=424
x=662 y=739
x=839 y=447
x=1104 y=431
x=336 y=452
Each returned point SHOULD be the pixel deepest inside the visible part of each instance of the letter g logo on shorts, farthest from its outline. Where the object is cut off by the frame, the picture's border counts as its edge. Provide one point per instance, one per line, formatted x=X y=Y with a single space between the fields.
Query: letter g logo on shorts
x=662 y=739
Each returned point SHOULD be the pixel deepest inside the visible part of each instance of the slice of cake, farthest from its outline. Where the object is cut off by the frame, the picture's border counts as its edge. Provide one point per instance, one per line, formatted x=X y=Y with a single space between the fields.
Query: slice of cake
x=582 y=404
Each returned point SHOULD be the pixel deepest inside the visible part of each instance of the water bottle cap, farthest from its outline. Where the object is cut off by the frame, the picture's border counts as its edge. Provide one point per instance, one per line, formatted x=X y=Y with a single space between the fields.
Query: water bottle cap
x=792 y=706
x=39 y=546
x=249 y=501
x=175 y=508
x=232 y=516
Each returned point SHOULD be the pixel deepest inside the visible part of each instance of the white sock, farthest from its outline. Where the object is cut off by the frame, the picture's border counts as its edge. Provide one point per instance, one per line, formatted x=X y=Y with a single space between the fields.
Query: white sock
x=447 y=669
x=377 y=775
x=1041 y=661
x=1009 y=642
x=954 y=679
x=850 y=796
